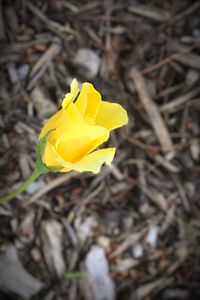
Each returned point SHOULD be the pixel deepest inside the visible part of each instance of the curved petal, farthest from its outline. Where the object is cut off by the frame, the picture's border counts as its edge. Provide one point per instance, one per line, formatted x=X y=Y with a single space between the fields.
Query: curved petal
x=88 y=101
x=52 y=123
x=51 y=159
x=93 y=161
x=70 y=97
x=76 y=138
x=111 y=115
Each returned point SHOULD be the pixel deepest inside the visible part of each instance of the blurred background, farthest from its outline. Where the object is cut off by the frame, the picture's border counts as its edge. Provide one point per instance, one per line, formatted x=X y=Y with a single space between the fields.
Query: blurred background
x=133 y=230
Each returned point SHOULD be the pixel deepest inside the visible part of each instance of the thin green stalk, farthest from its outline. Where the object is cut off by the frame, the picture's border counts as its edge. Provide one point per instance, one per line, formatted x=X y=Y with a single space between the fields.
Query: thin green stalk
x=36 y=173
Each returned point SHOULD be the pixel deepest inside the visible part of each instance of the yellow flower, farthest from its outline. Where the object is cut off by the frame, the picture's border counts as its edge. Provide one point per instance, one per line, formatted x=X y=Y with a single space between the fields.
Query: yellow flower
x=82 y=124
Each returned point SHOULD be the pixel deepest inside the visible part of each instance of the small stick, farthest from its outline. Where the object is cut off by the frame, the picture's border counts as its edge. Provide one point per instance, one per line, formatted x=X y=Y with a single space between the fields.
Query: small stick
x=52 y=185
x=167 y=60
x=42 y=64
x=182 y=193
x=51 y=52
x=152 y=13
x=173 y=104
x=153 y=113
x=166 y=164
x=53 y=26
x=2 y=27
x=188 y=11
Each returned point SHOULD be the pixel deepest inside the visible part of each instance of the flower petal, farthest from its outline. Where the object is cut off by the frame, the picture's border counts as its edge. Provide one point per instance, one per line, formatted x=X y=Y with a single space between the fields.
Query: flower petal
x=88 y=101
x=111 y=115
x=52 y=123
x=51 y=159
x=76 y=138
x=70 y=97
x=93 y=161
x=60 y=117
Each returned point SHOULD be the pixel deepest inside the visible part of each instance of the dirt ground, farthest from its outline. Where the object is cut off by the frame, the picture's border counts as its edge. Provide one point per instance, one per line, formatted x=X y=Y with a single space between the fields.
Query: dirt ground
x=133 y=230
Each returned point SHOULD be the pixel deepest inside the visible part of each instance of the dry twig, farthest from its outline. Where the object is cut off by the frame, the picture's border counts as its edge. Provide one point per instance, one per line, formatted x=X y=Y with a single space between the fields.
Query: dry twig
x=155 y=118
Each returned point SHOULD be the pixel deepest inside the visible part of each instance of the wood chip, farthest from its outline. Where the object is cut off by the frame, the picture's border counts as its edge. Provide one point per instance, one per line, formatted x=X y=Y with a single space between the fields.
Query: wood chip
x=52 y=185
x=126 y=264
x=173 y=104
x=154 y=115
x=99 y=278
x=43 y=105
x=24 y=164
x=182 y=193
x=51 y=52
x=116 y=172
x=156 y=197
x=195 y=149
x=191 y=60
x=14 y=278
x=55 y=27
x=86 y=228
x=12 y=19
x=152 y=13
x=130 y=241
x=51 y=234
x=169 y=218
x=26 y=227
x=166 y=164
x=186 y=12
x=2 y=27
x=145 y=290
x=41 y=65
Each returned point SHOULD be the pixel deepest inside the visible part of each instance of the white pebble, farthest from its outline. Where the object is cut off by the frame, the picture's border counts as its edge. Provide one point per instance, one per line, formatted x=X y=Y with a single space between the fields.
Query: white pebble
x=152 y=236
x=137 y=250
x=89 y=60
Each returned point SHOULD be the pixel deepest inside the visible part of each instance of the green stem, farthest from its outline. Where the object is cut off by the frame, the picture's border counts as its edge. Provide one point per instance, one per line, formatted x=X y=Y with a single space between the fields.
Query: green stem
x=36 y=173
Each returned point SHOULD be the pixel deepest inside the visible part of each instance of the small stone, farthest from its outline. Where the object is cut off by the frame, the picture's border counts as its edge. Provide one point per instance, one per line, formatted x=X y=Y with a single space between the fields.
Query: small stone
x=12 y=72
x=190 y=189
x=195 y=149
x=103 y=242
x=36 y=254
x=88 y=62
x=23 y=71
x=152 y=236
x=192 y=77
x=138 y=250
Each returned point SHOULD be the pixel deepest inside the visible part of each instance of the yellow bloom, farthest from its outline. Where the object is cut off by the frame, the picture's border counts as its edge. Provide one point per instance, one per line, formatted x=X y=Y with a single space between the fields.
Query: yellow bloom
x=82 y=124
